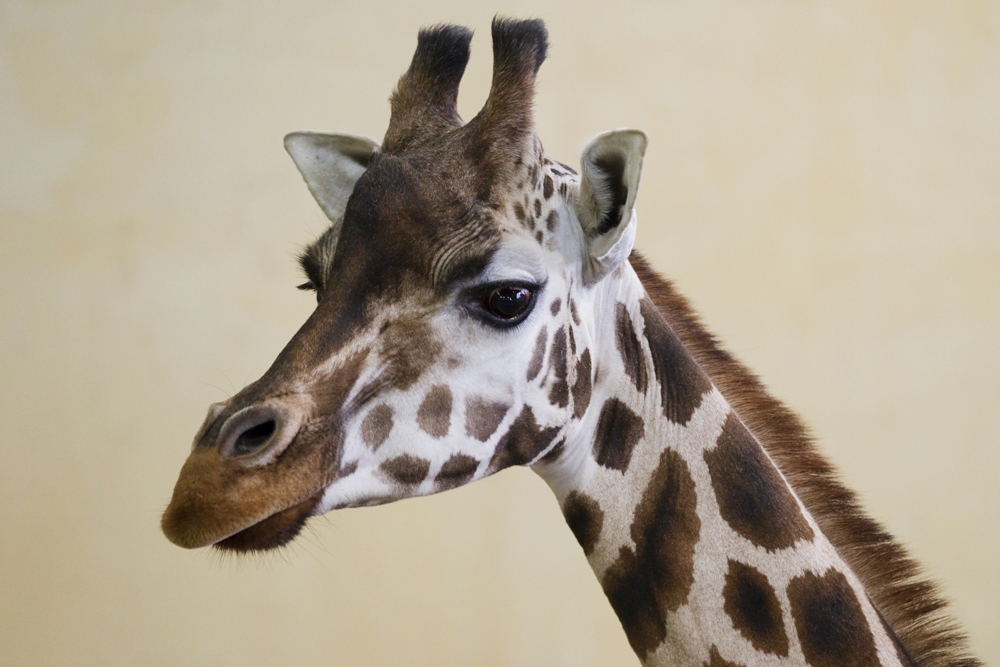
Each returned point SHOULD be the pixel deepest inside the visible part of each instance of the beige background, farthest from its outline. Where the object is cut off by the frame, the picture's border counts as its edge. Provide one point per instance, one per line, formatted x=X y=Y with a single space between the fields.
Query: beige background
x=823 y=181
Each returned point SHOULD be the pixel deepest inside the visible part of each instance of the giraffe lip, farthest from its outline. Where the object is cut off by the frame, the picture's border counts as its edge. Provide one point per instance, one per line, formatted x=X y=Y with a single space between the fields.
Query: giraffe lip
x=274 y=531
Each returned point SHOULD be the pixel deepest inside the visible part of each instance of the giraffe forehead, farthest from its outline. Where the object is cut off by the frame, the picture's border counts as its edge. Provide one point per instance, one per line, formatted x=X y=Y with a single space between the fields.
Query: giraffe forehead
x=406 y=226
x=437 y=203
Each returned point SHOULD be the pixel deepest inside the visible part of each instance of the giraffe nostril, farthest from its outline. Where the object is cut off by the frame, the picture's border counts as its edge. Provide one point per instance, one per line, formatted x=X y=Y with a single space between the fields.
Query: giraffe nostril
x=254 y=438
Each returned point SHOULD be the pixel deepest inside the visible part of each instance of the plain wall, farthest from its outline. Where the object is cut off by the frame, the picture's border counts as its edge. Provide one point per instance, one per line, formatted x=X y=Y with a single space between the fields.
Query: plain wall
x=823 y=181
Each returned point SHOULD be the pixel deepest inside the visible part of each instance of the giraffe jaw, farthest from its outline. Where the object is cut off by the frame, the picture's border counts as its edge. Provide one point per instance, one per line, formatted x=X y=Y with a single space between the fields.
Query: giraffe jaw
x=273 y=532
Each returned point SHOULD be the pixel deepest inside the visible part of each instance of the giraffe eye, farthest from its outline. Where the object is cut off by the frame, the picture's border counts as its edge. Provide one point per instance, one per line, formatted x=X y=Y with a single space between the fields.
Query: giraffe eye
x=501 y=305
x=509 y=303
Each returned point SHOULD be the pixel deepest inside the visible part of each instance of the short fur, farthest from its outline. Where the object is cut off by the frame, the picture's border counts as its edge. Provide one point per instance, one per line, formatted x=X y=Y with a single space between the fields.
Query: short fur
x=910 y=603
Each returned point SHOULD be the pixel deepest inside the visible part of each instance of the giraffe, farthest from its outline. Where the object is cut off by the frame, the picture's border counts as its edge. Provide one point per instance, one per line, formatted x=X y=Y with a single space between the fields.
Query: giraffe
x=481 y=306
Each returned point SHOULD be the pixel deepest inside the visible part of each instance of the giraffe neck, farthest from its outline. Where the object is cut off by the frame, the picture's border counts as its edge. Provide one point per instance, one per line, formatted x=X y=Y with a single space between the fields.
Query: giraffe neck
x=704 y=550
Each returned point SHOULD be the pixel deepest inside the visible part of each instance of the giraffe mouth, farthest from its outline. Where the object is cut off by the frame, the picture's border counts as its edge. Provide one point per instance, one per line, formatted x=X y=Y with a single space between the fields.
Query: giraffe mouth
x=273 y=532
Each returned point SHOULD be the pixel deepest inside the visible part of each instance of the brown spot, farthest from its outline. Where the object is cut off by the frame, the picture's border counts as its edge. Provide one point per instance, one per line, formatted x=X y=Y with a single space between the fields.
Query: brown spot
x=539 y=237
x=715 y=660
x=434 y=415
x=830 y=623
x=538 y=207
x=347 y=469
x=559 y=393
x=519 y=213
x=630 y=350
x=377 y=425
x=582 y=385
x=408 y=348
x=536 y=358
x=523 y=442
x=585 y=519
x=572 y=342
x=562 y=189
x=482 y=417
x=646 y=584
x=682 y=382
x=456 y=471
x=572 y=311
x=618 y=431
x=547 y=186
x=753 y=497
x=550 y=220
x=556 y=306
x=406 y=469
x=754 y=609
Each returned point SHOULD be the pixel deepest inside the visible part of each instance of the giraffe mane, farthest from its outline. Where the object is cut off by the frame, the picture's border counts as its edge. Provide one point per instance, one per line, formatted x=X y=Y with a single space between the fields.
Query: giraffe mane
x=910 y=603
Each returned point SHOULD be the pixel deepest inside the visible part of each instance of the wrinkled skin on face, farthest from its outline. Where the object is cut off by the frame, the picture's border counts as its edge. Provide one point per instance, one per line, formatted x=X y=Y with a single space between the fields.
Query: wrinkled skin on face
x=447 y=342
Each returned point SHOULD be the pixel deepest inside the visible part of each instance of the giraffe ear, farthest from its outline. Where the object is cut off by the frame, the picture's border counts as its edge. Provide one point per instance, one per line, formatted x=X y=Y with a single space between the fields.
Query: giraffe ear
x=330 y=164
x=609 y=179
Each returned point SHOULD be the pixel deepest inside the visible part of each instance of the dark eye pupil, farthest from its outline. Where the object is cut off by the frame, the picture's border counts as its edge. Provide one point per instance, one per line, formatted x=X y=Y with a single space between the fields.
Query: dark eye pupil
x=508 y=302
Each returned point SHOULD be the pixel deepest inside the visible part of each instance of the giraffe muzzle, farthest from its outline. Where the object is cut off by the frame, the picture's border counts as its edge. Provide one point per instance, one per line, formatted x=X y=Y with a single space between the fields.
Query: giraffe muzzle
x=252 y=480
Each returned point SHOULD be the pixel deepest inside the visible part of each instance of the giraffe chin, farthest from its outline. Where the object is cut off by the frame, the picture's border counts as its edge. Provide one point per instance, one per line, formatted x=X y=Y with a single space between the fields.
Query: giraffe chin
x=273 y=532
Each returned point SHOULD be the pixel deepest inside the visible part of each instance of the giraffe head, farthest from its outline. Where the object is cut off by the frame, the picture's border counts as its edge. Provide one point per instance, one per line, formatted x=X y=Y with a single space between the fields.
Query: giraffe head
x=450 y=337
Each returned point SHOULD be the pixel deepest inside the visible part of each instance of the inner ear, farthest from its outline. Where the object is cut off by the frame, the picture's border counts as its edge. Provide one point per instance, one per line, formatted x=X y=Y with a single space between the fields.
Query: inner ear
x=610 y=190
x=609 y=180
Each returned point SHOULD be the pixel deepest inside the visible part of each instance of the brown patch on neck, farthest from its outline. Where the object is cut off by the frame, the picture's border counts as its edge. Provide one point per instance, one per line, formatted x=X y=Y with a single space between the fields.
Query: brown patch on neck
x=629 y=348
x=618 y=431
x=682 y=382
x=911 y=605
x=753 y=607
x=646 y=584
x=753 y=498
x=585 y=518
x=831 y=625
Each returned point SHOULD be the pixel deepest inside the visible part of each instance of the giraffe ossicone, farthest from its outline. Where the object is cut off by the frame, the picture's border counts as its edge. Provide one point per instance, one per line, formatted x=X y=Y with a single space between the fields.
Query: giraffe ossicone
x=480 y=306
